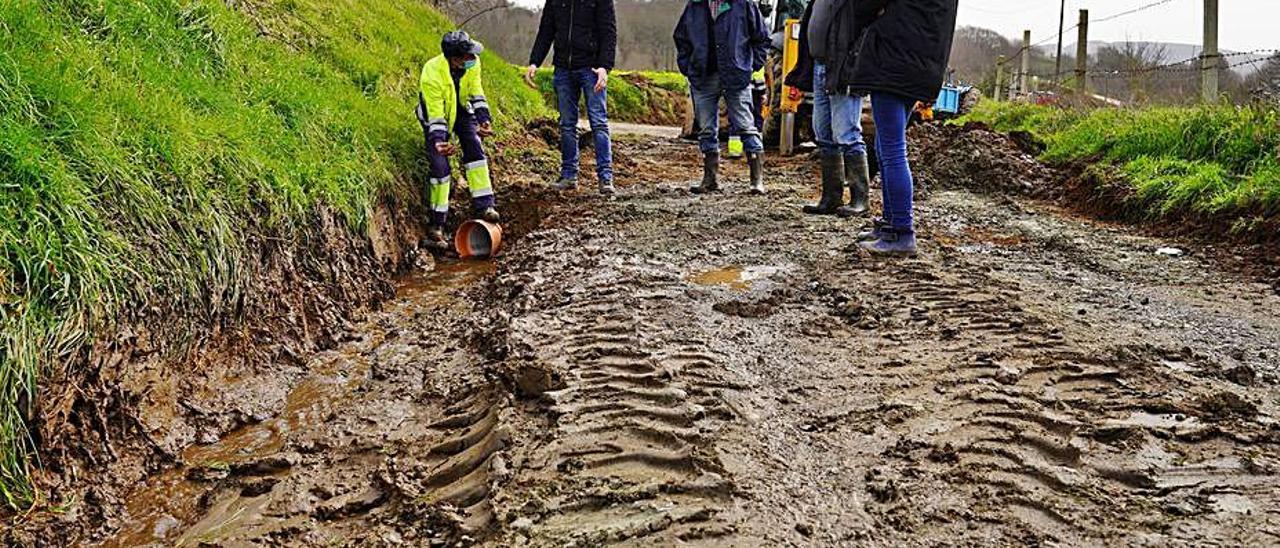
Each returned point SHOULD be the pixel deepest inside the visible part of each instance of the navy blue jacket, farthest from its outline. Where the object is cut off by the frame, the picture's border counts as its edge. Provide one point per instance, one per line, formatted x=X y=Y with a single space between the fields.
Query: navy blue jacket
x=742 y=42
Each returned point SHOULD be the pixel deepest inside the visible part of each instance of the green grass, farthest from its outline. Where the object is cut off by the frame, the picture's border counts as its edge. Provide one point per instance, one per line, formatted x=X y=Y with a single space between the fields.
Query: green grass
x=634 y=96
x=1207 y=160
x=142 y=141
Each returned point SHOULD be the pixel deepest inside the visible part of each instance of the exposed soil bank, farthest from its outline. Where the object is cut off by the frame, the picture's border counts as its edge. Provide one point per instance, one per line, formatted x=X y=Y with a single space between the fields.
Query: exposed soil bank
x=975 y=156
x=664 y=368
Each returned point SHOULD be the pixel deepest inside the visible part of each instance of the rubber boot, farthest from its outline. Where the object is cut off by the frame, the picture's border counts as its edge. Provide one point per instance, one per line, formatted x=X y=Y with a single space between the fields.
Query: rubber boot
x=857 y=173
x=435 y=238
x=893 y=242
x=490 y=214
x=710 y=170
x=755 y=162
x=878 y=225
x=832 y=187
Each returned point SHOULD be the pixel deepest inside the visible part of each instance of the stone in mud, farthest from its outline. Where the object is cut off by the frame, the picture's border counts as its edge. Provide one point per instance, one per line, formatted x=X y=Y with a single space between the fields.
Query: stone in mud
x=262 y=466
x=350 y=504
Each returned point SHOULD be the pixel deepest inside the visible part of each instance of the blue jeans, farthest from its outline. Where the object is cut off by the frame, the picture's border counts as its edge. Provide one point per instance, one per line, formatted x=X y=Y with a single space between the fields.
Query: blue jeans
x=706 y=93
x=837 y=119
x=891 y=113
x=570 y=86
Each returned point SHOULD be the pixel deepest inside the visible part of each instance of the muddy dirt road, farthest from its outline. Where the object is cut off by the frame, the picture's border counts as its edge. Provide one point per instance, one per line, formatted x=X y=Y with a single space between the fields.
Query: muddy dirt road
x=664 y=369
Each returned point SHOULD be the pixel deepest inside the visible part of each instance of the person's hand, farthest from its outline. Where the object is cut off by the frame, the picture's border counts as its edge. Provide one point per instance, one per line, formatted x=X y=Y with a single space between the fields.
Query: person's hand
x=485 y=129
x=602 y=78
x=529 y=74
x=445 y=149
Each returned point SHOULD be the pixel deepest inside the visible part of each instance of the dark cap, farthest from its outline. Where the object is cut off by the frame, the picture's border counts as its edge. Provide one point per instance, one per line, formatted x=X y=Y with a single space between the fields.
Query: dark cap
x=459 y=44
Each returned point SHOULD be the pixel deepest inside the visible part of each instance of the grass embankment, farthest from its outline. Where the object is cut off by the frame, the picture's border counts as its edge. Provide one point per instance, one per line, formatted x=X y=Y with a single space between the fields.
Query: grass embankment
x=1210 y=162
x=639 y=97
x=140 y=140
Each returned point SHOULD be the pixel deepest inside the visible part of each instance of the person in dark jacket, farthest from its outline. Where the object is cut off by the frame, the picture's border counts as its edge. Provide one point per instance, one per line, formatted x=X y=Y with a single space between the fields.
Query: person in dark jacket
x=585 y=36
x=827 y=40
x=901 y=58
x=719 y=44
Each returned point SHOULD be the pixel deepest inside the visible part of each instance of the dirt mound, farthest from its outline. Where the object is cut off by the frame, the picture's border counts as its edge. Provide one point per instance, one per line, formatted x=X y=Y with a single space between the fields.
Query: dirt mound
x=975 y=157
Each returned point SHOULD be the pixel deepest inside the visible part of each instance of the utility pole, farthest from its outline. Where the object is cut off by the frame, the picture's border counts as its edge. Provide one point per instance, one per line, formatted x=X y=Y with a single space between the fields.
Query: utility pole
x=999 y=77
x=1057 y=64
x=1209 y=57
x=1025 y=78
x=1082 y=56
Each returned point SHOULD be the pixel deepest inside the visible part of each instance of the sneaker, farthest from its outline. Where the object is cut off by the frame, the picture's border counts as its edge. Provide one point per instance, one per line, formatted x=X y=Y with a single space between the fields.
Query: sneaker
x=606 y=188
x=565 y=184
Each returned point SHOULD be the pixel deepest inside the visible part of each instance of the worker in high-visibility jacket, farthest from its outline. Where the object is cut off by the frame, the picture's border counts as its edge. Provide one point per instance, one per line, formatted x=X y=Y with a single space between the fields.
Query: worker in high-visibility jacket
x=452 y=103
x=758 y=92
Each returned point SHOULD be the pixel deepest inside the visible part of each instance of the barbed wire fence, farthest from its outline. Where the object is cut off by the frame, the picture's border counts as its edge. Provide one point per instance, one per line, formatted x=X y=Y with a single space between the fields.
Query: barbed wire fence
x=1162 y=72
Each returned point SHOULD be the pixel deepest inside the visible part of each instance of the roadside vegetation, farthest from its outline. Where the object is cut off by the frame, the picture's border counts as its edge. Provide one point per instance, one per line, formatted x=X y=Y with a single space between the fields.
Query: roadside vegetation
x=143 y=143
x=643 y=97
x=1209 y=161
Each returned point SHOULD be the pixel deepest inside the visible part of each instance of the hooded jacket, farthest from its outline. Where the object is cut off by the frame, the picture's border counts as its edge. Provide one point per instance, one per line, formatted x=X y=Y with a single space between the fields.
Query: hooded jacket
x=905 y=49
x=584 y=33
x=741 y=41
x=439 y=100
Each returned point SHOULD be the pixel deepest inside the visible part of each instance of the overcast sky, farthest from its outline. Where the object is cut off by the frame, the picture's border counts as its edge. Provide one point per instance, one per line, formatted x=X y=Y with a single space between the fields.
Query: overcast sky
x=1245 y=24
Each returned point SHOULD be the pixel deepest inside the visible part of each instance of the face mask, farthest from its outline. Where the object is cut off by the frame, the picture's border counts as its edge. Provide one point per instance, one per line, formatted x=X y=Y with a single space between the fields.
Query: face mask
x=468 y=65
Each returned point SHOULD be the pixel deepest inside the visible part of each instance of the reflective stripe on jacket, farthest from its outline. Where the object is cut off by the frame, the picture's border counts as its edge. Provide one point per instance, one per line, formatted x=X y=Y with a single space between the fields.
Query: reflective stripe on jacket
x=438 y=105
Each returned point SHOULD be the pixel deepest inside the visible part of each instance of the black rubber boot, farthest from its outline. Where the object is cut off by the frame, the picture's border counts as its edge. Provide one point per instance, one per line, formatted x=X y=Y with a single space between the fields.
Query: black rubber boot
x=857 y=173
x=710 y=171
x=832 y=186
x=435 y=239
x=755 y=162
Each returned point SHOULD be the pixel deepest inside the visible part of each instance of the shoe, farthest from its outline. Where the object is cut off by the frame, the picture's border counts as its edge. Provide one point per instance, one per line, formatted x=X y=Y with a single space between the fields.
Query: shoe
x=857 y=173
x=878 y=225
x=565 y=184
x=892 y=243
x=606 y=188
x=490 y=214
x=755 y=162
x=832 y=187
x=710 y=170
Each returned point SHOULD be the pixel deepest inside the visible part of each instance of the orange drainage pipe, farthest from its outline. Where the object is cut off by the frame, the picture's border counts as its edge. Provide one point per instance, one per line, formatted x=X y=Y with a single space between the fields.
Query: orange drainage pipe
x=478 y=239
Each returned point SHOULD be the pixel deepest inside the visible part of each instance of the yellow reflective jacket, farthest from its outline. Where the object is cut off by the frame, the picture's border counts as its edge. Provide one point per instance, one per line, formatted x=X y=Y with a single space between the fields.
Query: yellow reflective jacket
x=438 y=103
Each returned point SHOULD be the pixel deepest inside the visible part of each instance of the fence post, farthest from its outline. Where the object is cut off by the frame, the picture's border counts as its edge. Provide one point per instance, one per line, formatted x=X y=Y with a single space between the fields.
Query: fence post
x=999 y=77
x=1025 y=78
x=1209 y=57
x=1082 y=56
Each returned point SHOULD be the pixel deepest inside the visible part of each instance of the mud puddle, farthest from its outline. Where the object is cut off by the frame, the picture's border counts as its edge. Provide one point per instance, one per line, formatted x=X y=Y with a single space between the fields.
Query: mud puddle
x=182 y=507
x=738 y=278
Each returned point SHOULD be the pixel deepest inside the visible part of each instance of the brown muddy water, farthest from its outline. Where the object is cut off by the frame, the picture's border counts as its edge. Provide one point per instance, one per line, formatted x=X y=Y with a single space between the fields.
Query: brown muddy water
x=664 y=369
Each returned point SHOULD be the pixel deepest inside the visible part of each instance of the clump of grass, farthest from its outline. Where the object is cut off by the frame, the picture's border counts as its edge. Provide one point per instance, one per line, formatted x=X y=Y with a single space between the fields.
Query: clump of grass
x=141 y=142
x=1206 y=160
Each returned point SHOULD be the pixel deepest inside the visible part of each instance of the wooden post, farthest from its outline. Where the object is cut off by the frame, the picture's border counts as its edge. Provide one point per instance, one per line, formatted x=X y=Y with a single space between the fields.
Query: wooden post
x=1057 y=62
x=1209 y=58
x=1024 y=79
x=1082 y=56
x=999 y=91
